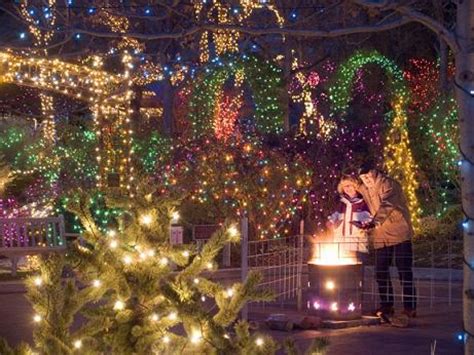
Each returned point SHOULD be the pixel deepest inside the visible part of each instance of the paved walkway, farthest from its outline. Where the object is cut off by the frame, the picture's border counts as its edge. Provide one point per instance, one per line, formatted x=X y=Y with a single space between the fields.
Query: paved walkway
x=440 y=324
x=374 y=340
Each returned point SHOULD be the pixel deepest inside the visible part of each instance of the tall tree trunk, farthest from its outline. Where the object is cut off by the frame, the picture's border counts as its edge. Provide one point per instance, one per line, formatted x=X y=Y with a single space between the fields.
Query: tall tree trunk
x=464 y=87
x=168 y=108
x=443 y=65
x=285 y=96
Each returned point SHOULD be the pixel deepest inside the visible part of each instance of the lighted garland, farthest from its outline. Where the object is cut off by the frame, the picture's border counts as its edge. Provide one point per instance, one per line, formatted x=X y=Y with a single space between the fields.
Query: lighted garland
x=399 y=160
x=440 y=128
x=264 y=79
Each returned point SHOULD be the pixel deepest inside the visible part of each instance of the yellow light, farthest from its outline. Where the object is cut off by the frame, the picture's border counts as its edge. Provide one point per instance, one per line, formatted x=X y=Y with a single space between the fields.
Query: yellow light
x=127 y=259
x=164 y=261
x=196 y=336
x=119 y=305
x=78 y=344
x=330 y=285
x=111 y=233
x=209 y=266
x=259 y=341
x=96 y=283
x=38 y=281
x=186 y=253
x=37 y=318
x=173 y=316
x=154 y=317
x=196 y=281
x=233 y=231
x=113 y=244
x=175 y=216
x=229 y=292
x=146 y=219
x=166 y=339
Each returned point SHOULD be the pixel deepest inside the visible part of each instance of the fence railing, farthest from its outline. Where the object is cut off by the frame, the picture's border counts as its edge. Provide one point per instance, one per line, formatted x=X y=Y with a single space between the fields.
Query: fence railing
x=27 y=236
x=437 y=270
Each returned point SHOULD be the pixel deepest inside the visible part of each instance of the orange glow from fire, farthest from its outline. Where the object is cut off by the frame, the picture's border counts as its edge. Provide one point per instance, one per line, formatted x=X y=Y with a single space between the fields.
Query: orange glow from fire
x=330 y=253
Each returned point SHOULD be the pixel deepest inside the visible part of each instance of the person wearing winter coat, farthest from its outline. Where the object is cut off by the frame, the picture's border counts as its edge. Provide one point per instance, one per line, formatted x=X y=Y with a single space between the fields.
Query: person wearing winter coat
x=352 y=240
x=391 y=233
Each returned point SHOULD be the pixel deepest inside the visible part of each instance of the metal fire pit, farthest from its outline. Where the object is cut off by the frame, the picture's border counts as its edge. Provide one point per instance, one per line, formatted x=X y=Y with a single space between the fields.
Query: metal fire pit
x=335 y=291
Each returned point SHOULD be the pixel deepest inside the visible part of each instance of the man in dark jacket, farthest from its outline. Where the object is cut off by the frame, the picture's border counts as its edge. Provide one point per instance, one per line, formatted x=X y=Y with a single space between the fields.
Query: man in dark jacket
x=391 y=233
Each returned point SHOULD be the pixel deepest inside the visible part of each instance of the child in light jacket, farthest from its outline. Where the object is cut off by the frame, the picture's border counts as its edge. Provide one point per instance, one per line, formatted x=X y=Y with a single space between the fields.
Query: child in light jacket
x=351 y=239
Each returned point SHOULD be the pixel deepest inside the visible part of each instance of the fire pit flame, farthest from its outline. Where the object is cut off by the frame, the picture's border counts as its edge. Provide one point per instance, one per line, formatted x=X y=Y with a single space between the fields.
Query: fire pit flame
x=329 y=254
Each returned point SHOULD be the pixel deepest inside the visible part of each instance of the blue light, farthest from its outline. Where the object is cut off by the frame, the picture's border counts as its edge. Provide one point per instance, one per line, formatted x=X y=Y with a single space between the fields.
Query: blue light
x=47 y=15
x=254 y=46
x=69 y=2
x=465 y=224
x=294 y=15
x=235 y=10
x=91 y=10
x=148 y=11
x=165 y=68
x=31 y=12
x=22 y=35
x=178 y=58
x=460 y=163
x=78 y=36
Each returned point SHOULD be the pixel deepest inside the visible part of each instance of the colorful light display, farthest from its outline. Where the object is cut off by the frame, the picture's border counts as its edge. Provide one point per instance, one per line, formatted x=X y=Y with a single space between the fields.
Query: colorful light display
x=264 y=79
x=397 y=152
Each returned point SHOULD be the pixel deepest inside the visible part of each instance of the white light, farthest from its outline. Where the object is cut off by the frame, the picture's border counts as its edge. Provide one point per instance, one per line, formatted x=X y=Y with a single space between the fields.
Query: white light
x=113 y=244
x=259 y=341
x=233 y=232
x=226 y=336
x=334 y=307
x=196 y=337
x=330 y=285
x=22 y=35
x=166 y=339
x=37 y=318
x=203 y=298
x=229 y=292
x=196 y=281
x=38 y=281
x=96 y=283
x=78 y=344
x=119 y=305
x=465 y=224
x=175 y=216
x=316 y=305
x=154 y=317
x=471 y=92
x=150 y=252
x=111 y=233
x=460 y=162
x=351 y=307
x=146 y=219
x=173 y=316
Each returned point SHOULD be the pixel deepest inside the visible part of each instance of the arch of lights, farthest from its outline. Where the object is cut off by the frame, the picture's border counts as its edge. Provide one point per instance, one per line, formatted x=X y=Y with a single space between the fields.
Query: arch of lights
x=108 y=96
x=399 y=159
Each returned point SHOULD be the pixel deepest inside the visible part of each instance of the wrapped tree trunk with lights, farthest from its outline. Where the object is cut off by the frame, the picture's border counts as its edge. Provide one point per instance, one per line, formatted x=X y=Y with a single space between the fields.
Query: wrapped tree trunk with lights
x=138 y=293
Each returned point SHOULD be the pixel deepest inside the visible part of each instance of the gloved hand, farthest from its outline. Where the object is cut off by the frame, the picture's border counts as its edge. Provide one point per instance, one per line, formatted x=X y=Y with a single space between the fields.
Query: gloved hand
x=367 y=226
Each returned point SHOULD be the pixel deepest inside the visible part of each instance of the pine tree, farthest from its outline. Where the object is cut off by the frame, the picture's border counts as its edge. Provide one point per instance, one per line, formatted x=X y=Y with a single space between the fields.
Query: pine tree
x=6 y=175
x=138 y=293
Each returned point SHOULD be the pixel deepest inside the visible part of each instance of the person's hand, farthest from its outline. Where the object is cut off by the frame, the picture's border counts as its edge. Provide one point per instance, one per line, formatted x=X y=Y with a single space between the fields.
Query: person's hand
x=367 y=225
